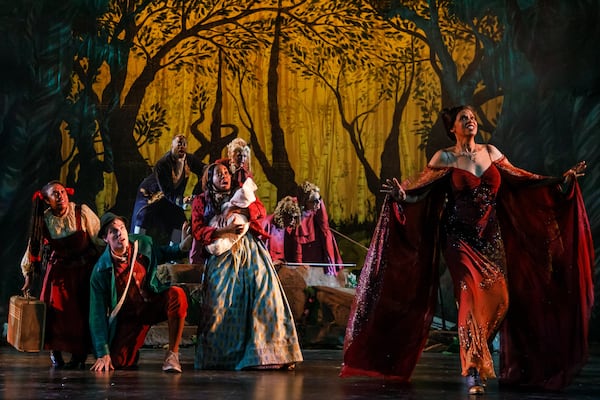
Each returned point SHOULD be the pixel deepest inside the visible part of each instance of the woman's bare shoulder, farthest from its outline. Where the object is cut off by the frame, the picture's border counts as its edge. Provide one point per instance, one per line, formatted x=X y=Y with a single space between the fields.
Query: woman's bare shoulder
x=495 y=154
x=442 y=158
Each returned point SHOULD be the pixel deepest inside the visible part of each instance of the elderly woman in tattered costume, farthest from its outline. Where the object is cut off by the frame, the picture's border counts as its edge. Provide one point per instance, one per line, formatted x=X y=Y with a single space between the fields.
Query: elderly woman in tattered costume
x=313 y=235
x=518 y=247
x=281 y=227
x=239 y=161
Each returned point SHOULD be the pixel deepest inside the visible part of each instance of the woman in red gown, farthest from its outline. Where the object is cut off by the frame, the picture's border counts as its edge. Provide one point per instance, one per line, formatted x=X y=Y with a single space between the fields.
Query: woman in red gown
x=518 y=247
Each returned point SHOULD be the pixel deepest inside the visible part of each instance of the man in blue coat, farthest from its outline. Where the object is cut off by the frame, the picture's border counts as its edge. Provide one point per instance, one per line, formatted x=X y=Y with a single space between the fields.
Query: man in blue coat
x=158 y=209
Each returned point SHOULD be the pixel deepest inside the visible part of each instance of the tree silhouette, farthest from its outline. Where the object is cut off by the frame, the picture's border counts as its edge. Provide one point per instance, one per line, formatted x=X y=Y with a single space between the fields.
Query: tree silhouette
x=474 y=80
x=175 y=35
x=359 y=51
x=536 y=56
x=213 y=143
x=280 y=172
x=322 y=30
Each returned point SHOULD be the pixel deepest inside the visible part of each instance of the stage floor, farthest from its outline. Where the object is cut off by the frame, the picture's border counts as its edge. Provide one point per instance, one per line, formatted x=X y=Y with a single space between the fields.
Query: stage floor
x=28 y=376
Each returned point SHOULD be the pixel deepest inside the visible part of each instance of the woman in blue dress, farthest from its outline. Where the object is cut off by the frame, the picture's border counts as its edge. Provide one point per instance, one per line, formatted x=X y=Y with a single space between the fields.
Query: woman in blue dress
x=246 y=322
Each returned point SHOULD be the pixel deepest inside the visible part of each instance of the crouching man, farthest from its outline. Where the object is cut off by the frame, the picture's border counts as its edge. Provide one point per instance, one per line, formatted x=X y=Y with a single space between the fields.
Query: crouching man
x=127 y=297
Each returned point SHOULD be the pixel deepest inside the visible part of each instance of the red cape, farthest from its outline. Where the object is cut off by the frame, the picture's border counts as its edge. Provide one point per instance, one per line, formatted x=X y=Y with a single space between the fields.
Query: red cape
x=549 y=254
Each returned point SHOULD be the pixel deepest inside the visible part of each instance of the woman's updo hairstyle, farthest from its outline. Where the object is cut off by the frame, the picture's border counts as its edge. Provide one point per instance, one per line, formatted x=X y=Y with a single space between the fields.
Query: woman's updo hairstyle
x=308 y=191
x=449 y=118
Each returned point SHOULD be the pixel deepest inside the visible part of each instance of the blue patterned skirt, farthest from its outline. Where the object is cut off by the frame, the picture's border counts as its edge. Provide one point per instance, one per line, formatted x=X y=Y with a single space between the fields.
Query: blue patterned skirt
x=246 y=320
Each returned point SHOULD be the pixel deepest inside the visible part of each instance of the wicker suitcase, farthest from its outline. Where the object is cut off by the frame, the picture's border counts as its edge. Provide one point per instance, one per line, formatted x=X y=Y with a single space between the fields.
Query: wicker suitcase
x=26 y=323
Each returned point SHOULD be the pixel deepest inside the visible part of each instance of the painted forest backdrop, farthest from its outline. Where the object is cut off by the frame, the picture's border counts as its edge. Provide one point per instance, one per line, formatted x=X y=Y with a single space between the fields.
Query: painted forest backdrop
x=343 y=93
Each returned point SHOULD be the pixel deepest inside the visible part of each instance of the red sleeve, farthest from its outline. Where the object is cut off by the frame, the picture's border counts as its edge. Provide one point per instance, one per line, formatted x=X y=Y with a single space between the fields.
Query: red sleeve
x=550 y=257
x=397 y=289
x=330 y=245
x=257 y=213
x=294 y=248
x=201 y=231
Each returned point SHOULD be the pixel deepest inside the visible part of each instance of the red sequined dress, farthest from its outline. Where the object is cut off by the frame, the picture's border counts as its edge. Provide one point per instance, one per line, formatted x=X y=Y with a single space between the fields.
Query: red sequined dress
x=474 y=253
